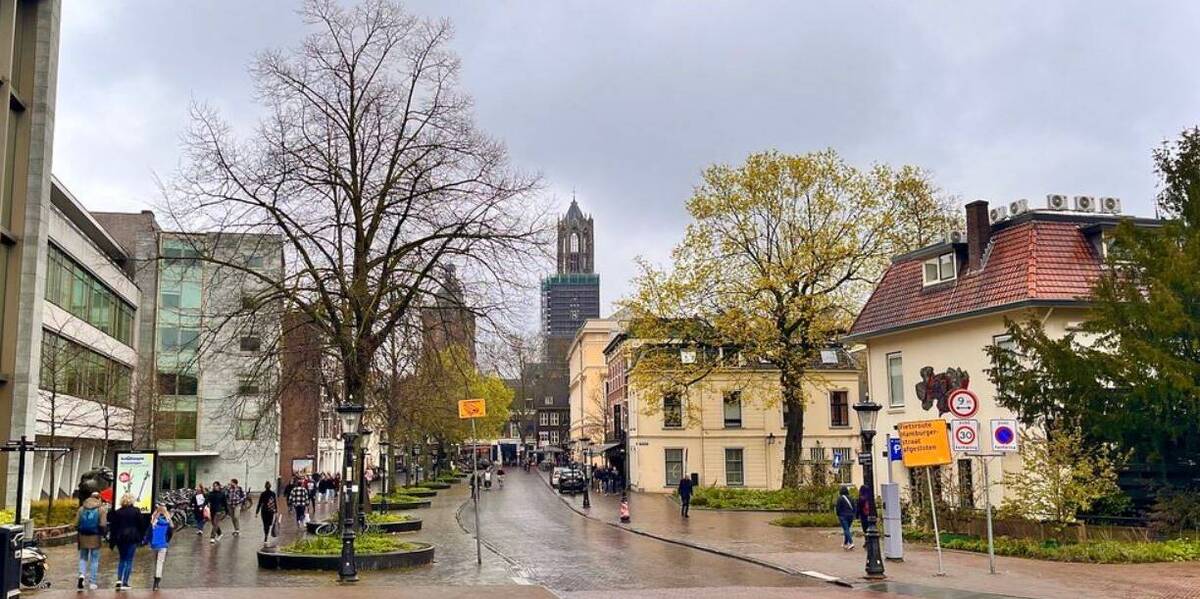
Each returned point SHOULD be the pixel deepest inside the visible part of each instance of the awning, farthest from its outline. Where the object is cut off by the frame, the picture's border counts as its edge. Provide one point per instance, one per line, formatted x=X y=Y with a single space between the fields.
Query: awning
x=605 y=448
x=189 y=454
x=549 y=449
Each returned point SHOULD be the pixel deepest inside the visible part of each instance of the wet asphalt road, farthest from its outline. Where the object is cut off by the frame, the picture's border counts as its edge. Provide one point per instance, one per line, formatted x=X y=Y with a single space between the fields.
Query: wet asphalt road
x=532 y=538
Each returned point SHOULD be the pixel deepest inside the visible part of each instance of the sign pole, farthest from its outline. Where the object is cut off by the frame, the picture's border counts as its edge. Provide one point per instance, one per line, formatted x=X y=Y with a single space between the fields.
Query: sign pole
x=937 y=536
x=987 y=501
x=474 y=479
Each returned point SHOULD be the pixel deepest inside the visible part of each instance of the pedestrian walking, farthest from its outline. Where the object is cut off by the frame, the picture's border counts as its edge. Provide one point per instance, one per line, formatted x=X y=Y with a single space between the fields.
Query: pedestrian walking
x=200 y=507
x=685 y=495
x=237 y=503
x=158 y=537
x=487 y=480
x=91 y=523
x=267 y=509
x=845 y=513
x=125 y=532
x=218 y=507
x=500 y=476
x=299 y=498
x=863 y=509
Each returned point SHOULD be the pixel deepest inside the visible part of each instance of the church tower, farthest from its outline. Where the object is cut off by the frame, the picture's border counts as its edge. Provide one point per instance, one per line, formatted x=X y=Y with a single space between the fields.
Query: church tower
x=575 y=249
x=572 y=294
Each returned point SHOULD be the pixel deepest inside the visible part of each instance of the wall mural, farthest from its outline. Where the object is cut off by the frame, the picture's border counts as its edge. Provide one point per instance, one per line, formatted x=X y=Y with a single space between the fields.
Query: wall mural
x=937 y=387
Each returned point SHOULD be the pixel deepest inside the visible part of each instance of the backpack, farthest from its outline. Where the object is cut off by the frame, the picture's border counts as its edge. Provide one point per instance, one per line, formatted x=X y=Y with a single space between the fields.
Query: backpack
x=89 y=521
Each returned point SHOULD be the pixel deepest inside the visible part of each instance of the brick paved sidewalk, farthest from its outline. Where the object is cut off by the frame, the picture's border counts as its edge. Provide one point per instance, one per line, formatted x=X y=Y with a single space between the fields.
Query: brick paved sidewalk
x=749 y=535
x=353 y=592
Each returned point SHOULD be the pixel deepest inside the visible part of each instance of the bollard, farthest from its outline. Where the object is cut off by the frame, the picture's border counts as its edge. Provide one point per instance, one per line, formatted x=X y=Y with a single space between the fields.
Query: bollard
x=624 y=508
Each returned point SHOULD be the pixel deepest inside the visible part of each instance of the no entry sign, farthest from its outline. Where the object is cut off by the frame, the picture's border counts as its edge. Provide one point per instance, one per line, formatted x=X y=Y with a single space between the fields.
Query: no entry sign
x=963 y=403
x=964 y=435
x=1004 y=435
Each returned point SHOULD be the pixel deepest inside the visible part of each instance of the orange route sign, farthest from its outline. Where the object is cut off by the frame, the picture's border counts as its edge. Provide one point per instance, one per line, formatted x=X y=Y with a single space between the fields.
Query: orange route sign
x=924 y=443
x=472 y=408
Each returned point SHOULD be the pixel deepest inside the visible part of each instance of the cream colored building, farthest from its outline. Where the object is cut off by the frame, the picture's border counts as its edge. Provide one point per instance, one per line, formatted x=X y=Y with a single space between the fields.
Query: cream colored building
x=942 y=307
x=729 y=428
x=587 y=369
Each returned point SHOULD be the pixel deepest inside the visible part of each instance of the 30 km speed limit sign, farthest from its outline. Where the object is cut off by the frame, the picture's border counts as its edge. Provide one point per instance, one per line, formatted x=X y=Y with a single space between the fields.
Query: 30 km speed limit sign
x=964 y=435
x=963 y=403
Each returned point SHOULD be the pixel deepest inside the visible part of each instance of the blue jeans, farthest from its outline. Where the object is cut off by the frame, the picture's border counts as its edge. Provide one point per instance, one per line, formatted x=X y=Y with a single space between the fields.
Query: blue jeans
x=847 y=537
x=89 y=564
x=125 y=562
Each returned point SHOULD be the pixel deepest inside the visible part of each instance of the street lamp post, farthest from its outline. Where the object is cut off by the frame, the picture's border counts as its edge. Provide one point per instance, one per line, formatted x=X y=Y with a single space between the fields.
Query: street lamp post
x=587 y=472
x=364 y=496
x=868 y=412
x=385 y=468
x=350 y=415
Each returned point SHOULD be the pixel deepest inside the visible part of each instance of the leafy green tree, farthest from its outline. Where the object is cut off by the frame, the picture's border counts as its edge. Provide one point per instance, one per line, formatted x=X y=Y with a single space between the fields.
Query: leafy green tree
x=779 y=255
x=1130 y=377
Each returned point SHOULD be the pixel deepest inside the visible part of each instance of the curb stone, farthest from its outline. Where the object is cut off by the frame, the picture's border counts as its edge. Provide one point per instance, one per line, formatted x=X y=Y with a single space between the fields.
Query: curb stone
x=745 y=558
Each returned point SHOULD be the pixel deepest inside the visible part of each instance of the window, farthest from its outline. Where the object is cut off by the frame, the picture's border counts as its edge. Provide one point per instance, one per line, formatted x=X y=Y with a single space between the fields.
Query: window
x=69 y=368
x=554 y=437
x=176 y=383
x=672 y=411
x=733 y=409
x=254 y=261
x=673 y=459
x=839 y=408
x=553 y=418
x=895 y=373
x=734 y=473
x=942 y=268
x=245 y=429
x=574 y=242
x=248 y=385
x=842 y=456
x=251 y=343
x=543 y=438
x=544 y=418
x=75 y=289
x=1005 y=344
x=819 y=466
x=966 y=484
x=549 y=401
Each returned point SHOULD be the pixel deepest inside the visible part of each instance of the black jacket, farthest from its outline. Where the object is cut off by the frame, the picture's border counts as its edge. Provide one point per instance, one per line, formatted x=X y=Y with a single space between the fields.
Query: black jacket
x=845 y=507
x=218 y=501
x=685 y=487
x=266 y=504
x=126 y=526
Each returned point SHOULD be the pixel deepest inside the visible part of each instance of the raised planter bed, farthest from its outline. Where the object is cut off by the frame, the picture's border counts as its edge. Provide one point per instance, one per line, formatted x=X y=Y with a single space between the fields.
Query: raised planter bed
x=427 y=492
x=411 y=525
x=454 y=480
x=436 y=485
x=278 y=560
x=401 y=505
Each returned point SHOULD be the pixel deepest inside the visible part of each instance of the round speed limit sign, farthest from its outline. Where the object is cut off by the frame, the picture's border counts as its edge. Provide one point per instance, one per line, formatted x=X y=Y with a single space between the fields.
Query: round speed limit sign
x=965 y=435
x=963 y=403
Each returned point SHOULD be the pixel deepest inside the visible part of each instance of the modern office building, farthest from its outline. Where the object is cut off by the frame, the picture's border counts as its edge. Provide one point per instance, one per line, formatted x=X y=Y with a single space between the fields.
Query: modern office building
x=213 y=346
x=29 y=31
x=88 y=348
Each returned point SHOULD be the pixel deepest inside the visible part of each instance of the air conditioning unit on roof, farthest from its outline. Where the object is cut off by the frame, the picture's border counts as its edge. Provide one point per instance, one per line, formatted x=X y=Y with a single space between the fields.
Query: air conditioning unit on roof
x=1018 y=207
x=1056 y=201
x=955 y=237
x=1110 y=204
x=997 y=214
x=1085 y=204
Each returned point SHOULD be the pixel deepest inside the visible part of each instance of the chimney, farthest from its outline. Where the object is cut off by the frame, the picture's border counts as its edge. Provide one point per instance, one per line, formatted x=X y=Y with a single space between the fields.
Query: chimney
x=979 y=231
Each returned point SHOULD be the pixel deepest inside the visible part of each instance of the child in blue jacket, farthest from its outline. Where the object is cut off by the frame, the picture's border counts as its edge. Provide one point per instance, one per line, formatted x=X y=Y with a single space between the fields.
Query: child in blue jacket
x=158 y=536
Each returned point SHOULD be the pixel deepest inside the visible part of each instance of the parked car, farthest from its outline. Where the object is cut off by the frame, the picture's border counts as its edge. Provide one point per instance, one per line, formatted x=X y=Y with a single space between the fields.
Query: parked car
x=571 y=481
x=555 y=474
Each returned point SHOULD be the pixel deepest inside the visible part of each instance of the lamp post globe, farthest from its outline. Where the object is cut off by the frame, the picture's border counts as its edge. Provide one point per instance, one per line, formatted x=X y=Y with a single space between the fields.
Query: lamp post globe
x=350 y=416
x=868 y=414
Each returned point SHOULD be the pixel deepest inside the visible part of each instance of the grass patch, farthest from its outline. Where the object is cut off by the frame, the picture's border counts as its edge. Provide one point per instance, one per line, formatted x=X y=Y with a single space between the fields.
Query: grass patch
x=416 y=489
x=387 y=518
x=367 y=544
x=807 y=498
x=397 y=498
x=1092 y=552
x=813 y=520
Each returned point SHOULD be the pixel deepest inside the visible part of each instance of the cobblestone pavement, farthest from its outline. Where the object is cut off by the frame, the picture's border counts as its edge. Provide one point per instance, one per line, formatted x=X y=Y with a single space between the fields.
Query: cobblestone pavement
x=749 y=534
x=193 y=563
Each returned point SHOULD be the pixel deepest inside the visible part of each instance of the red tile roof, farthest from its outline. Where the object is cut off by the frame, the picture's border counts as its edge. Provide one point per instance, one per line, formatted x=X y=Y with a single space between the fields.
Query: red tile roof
x=1027 y=262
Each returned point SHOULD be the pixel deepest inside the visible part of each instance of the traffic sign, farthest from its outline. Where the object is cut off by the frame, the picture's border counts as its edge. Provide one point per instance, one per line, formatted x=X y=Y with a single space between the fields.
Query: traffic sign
x=472 y=408
x=837 y=460
x=963 y=403
x=964 y=435
x=895 y=454
x=1004 y=435
x=924 y=443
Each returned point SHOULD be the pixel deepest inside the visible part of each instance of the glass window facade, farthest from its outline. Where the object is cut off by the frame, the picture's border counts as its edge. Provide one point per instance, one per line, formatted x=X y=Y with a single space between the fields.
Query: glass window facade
x=75 y=289
x=180 y=303
x=69 y=368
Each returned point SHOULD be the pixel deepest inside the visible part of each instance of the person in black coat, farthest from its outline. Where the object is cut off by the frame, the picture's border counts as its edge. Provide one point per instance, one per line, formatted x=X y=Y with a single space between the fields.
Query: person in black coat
x=846 y=510
x=126 y=529
x=218 y=507
x=864 y=507
x=266 y=509
x=685 y=495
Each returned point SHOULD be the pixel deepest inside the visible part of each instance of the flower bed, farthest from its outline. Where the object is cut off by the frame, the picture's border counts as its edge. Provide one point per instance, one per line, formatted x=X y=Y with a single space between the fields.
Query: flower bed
x=1096 y=552
x=372 y=552
x=386 y=522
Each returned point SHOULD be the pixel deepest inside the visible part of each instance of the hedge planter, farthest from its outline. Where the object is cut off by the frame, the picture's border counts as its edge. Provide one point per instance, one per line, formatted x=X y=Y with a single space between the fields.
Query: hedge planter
x=419 y=555
x=436 y=485
x=410 y=525
x=454 y=480
x=402 y=505
x=419 y=492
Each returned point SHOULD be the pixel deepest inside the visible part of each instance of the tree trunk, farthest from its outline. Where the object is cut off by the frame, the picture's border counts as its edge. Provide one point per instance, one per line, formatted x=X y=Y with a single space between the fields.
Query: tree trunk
x=793 y=398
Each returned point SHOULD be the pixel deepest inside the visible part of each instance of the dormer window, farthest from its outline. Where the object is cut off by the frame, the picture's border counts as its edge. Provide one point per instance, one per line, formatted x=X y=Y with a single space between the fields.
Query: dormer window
x=941 y=269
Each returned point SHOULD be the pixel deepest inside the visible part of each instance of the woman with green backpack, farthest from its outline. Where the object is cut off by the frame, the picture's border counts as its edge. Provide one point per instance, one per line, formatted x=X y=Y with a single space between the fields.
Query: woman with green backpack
x=90 y=524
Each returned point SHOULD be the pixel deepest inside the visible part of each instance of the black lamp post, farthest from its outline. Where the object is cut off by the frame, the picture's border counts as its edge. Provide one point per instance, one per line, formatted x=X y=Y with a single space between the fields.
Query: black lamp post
x=385 y=469
x=351 y=416
x=364 y=496
x=587 y=472
x=868 y=412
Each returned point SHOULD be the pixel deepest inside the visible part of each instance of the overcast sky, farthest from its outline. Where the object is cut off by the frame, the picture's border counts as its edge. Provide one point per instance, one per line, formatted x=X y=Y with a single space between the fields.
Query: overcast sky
x=626 y=102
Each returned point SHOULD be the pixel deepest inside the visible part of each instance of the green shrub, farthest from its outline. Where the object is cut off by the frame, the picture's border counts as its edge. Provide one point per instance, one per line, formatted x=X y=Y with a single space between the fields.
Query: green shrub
x=387 y=518
x=367 y=544
x=1097 y=552
x=806 y=498
x=416 y=489
x=813 y=520
x=397 y=498
x=66 y=511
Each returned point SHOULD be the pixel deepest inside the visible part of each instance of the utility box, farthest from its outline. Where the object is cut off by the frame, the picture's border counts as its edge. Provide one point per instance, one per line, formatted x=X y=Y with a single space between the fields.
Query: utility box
x=695 y=479
x=893 y=536
x=12 y=539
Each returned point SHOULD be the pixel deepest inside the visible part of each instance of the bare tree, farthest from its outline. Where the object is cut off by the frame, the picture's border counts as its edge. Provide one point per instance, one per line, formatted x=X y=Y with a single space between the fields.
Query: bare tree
x=369 y=171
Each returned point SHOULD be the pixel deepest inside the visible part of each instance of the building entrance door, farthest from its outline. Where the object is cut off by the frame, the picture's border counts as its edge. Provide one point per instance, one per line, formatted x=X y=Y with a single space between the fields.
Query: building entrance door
x=178 y=473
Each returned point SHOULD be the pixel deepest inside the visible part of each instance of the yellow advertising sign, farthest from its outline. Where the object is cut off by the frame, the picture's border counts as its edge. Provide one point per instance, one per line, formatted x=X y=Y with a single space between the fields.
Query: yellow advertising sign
x=924 y=443
x=472 y=408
